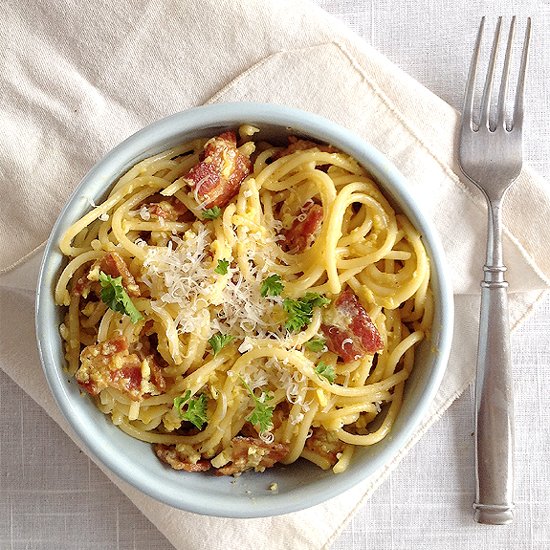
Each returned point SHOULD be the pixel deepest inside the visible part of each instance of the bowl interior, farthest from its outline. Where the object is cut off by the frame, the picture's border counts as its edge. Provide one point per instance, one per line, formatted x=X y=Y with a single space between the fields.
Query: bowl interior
x=301 y=484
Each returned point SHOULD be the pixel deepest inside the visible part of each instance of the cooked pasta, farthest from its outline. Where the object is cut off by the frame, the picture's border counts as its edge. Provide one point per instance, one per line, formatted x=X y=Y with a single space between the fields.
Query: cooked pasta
x=239 y=304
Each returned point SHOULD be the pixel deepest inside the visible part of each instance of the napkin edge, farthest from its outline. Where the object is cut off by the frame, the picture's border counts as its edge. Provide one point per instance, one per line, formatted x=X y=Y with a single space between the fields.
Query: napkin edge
x=23 y=259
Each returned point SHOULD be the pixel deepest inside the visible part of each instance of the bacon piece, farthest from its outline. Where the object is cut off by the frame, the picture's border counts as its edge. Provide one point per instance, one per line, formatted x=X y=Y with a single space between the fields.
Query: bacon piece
x=248 y=430
x=82 y=286
x=251 y=453
x=325 y=444
x=168 y=208
x=147 y=330
x=297 y=144
x=304 y=229
x=156 y=376
x=217 y=177
x=112 y=264
x=148 y=351
x=169 y=455
x=128 y=377
x=349 y=330
x=109 y=364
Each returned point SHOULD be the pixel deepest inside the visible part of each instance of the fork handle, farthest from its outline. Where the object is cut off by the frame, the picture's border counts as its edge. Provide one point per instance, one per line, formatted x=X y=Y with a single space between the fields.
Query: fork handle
x=494 y=422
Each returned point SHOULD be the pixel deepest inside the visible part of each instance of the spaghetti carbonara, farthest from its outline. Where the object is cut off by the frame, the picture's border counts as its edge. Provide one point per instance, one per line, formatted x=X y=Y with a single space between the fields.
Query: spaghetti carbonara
x=239 y=304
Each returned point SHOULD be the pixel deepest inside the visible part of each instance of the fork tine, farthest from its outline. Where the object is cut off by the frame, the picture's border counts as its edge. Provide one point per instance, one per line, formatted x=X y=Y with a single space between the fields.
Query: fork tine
x=467 y=111
x=517 y=120
x=487 y=90
x=505 y=77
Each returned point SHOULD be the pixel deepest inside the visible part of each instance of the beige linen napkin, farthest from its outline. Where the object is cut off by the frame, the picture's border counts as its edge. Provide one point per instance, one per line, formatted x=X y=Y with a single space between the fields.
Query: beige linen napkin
x=68 y=97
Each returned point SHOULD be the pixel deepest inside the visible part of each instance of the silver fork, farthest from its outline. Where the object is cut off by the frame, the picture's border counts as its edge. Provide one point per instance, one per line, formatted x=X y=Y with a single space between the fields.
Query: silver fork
x=490 y=155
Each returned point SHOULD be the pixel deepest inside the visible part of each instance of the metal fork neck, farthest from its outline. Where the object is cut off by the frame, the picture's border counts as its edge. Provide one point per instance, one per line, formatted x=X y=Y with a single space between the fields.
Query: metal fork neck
x=494 y=268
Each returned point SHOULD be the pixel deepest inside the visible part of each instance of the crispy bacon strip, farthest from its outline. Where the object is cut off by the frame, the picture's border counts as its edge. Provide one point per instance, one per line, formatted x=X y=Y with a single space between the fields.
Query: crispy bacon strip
x=304 y=229
x=109 y=364
x=325 y=444
x=112 y=264
x=83 y=285
x=217 y=177
x=297 y=144
x=249 y=453
x=156 y=377
x=349 y=330
x=169 y=209
x=148 y=351
x=169 y=455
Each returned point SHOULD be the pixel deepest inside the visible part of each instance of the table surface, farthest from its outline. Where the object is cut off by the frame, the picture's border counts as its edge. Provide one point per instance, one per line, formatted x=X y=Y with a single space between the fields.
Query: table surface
x=52 y=497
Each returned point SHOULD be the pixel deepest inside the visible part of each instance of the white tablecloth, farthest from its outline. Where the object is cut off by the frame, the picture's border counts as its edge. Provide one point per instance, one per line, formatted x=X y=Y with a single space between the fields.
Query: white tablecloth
x=51 y=497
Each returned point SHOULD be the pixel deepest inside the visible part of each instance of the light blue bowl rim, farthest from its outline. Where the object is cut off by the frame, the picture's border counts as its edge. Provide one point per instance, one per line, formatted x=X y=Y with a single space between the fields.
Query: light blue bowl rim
x=232 y=115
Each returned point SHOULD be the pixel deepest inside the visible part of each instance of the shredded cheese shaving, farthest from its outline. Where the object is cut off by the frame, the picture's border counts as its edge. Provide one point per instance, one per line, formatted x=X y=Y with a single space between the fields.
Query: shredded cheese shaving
x=180 y=274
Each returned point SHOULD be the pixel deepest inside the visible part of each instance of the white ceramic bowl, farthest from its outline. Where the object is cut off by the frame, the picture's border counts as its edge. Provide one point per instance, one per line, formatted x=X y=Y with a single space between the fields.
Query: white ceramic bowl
x=300 y=485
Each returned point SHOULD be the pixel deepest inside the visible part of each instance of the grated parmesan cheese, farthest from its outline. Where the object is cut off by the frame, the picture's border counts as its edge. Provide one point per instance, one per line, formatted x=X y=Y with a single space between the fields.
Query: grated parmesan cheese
x=267 y=437
x=144 y=213
x=182 y=274
x=90 y=201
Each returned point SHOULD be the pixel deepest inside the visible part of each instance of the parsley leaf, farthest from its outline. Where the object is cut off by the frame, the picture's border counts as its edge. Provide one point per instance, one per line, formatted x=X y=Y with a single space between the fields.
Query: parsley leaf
x=299 y=312
x=179 y=402
x=222 y=267
x=196 y=409
x=211 y=213
x=114 y=295
x=272 y=286
x=326 y=371
x=219 y=341
x=262 y=414
x=316 y=300
x=316 y=344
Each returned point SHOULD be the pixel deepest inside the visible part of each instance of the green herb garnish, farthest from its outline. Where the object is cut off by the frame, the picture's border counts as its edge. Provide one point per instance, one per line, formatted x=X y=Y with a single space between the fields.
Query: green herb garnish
x=316 y=344
x=262 y=414
x=326 y=371
x=196 y=409
x=299 y=312
x=116 y=298
x=219 y=340
x=272 y=286
x=222 y=267
x=211 y=213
